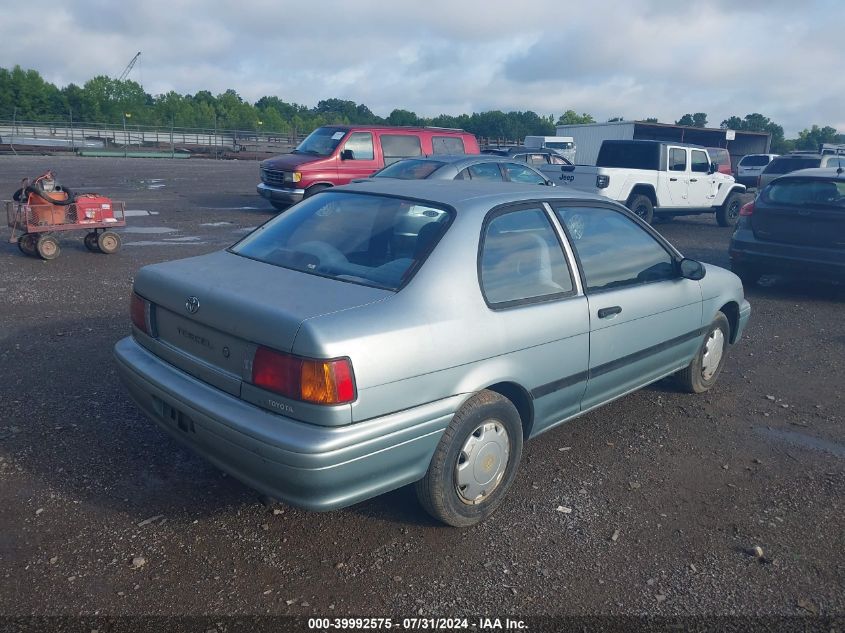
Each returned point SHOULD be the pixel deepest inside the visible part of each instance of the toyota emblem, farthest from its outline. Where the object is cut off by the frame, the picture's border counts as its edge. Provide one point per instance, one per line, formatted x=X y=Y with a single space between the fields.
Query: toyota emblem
x=192 y=304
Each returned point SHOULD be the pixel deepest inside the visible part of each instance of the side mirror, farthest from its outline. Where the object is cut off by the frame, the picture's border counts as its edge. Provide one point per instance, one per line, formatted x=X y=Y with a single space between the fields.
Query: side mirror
x=714 y=167
x=691 y=269
x=347 y=154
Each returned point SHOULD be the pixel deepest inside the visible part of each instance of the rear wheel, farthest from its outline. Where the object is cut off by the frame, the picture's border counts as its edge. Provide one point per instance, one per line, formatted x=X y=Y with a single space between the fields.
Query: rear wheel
x=642 y=207
x=728 y=213
x=109 y=242
x=91 y=242
x=48 y=247
x=701 y=374
x=475 y=462
x=27 y=242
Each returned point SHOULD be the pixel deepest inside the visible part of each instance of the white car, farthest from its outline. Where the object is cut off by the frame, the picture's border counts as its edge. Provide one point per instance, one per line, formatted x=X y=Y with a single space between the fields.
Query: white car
x=750 y=167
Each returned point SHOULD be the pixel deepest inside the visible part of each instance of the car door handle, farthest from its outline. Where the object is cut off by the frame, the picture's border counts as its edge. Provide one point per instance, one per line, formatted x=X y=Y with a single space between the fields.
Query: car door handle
x=693 y=179
x=607 y=312
x=673 y=180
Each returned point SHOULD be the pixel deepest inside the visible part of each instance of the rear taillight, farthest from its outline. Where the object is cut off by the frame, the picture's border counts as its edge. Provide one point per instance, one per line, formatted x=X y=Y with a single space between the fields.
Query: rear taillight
x=602 y=181
x=305 y=379
x=747 y=209
x=139 y=311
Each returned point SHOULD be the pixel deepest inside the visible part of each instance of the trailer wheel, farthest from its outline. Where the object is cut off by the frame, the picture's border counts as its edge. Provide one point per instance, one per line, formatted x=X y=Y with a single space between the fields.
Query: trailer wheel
x=26 y=243
x=91 y=240
x=109 y=242
x=48 y=247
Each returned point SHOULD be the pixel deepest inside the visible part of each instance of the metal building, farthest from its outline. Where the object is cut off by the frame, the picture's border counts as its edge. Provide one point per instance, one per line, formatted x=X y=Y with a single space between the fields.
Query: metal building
x=588 y=137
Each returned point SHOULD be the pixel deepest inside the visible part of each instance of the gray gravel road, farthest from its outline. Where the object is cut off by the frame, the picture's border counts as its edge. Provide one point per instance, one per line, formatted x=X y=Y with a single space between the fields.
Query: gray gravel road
x=103 y=513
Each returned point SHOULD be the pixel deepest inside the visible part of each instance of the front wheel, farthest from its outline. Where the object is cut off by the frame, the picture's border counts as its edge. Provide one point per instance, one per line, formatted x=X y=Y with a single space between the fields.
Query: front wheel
x=642 y=207
x=48 y=247
x=91 y=242
x=701 y=374
x=728 y=213
x=26 y=243
x=109 y=242
x=475 y=462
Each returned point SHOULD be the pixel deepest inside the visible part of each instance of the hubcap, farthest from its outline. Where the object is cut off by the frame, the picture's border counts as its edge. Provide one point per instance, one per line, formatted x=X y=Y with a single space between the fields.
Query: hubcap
x=108 y=242
x=733 y=211
x=714 y=347
x=482 y=462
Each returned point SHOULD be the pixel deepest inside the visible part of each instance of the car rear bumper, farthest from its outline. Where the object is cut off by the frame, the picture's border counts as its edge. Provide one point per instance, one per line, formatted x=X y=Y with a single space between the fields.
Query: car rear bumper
x=787 y=259
x=282 y=195
x=306 y=465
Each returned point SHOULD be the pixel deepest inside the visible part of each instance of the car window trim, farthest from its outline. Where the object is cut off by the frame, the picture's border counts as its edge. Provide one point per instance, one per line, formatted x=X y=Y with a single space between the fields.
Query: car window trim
x=511 y=207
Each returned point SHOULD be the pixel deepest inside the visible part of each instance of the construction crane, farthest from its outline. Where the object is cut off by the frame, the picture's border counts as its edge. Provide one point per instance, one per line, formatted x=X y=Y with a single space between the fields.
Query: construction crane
x=129 y=67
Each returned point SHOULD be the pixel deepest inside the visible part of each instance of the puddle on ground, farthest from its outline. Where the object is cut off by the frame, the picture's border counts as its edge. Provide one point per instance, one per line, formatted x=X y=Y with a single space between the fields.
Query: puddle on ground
x=148 y=230
x=217 y=224
x=187 y=238
x=162 y=243
x=134 y=213
x=246 y=229
x=801 y=439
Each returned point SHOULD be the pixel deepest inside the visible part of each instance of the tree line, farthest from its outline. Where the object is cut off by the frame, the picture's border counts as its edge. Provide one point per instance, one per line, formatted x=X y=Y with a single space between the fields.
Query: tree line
x=25 y=95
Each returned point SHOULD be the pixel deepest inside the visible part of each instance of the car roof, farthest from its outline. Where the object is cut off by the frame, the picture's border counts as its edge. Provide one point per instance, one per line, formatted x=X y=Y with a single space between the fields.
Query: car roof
x=452 y=159
x=816 y=172
x=465 y=193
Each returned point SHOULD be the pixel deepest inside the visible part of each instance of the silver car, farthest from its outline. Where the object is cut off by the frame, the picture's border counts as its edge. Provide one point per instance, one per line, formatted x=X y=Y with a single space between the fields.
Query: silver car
x=464 y=167
x=393 y=332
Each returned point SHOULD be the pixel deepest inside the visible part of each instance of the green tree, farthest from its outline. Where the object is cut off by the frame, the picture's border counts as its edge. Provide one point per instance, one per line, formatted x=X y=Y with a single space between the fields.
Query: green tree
x=403 y=117
x=651 y=119
x=756 y=122
x=699 y=119
x=812 y=138
x=570 y=117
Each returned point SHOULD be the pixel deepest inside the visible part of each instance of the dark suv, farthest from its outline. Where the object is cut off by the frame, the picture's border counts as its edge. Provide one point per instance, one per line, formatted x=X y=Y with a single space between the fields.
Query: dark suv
x=795 y=226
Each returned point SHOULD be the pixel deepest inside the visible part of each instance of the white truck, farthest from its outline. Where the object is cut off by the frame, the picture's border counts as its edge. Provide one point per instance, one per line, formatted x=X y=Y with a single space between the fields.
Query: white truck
x=563 y=145
x=654 y=178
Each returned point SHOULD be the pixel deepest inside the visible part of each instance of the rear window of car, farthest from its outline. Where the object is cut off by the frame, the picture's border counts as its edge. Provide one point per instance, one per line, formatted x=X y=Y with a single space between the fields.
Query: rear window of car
x=396 y=147
x=719 y=155
x=447 y=145
x=366 y=239
x=754 y=160
x=410 y=169
x=786 y=165
x=629 y=155
x=806 y=192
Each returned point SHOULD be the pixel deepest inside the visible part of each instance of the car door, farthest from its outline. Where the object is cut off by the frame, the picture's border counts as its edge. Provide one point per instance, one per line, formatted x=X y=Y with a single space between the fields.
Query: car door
x=537 y=312
x=645 y=319
x=357 y=157
x=676 y=181
x=702 y=183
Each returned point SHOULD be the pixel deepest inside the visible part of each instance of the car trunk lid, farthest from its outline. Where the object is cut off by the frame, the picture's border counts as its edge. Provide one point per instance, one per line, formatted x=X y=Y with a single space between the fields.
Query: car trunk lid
x=211 y=312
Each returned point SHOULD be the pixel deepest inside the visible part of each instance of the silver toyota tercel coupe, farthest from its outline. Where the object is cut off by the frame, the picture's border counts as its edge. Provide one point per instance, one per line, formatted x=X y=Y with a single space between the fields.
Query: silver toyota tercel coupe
x=395 y=332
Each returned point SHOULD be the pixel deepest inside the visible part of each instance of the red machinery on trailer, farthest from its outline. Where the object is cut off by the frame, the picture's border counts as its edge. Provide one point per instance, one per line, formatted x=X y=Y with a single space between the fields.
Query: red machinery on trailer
x=40 y=210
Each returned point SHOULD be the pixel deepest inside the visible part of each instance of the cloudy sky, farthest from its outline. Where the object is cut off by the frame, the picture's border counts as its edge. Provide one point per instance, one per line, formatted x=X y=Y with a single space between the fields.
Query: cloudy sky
x=629 y=58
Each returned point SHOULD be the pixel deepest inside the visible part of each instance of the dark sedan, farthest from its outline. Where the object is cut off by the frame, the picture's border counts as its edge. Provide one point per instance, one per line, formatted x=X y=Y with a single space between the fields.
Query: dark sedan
x=795 y=226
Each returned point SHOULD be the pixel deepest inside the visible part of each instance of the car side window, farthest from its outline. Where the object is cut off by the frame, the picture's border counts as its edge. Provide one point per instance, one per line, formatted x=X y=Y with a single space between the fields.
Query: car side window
x=447 y=145
x=558 y=160
x=521 y=260
x=699 y=162
x=398 y=146
x=518 y=172
x=677 y=159
x=486 y=171
x=361 y=144
x=613 y=249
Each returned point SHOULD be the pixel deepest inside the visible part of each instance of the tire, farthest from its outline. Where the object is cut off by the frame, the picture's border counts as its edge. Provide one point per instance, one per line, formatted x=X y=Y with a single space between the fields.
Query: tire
x=91 y=242
x=642 y=207
x=108 y=242
x=451 y=490
x=26 y=243
x=747 y=274
x=701 y=374
x=314 y=189
x=48 y=247
x=728 y=213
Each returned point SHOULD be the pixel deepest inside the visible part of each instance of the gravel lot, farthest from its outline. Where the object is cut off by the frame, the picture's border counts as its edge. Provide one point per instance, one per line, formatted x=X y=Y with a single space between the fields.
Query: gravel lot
x=102 y=513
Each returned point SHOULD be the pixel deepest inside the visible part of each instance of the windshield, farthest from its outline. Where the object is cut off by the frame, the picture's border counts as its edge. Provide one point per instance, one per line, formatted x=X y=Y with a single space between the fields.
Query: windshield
x=321 y=142
x=806 y=192
x=367 y=239
x=410 y=169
